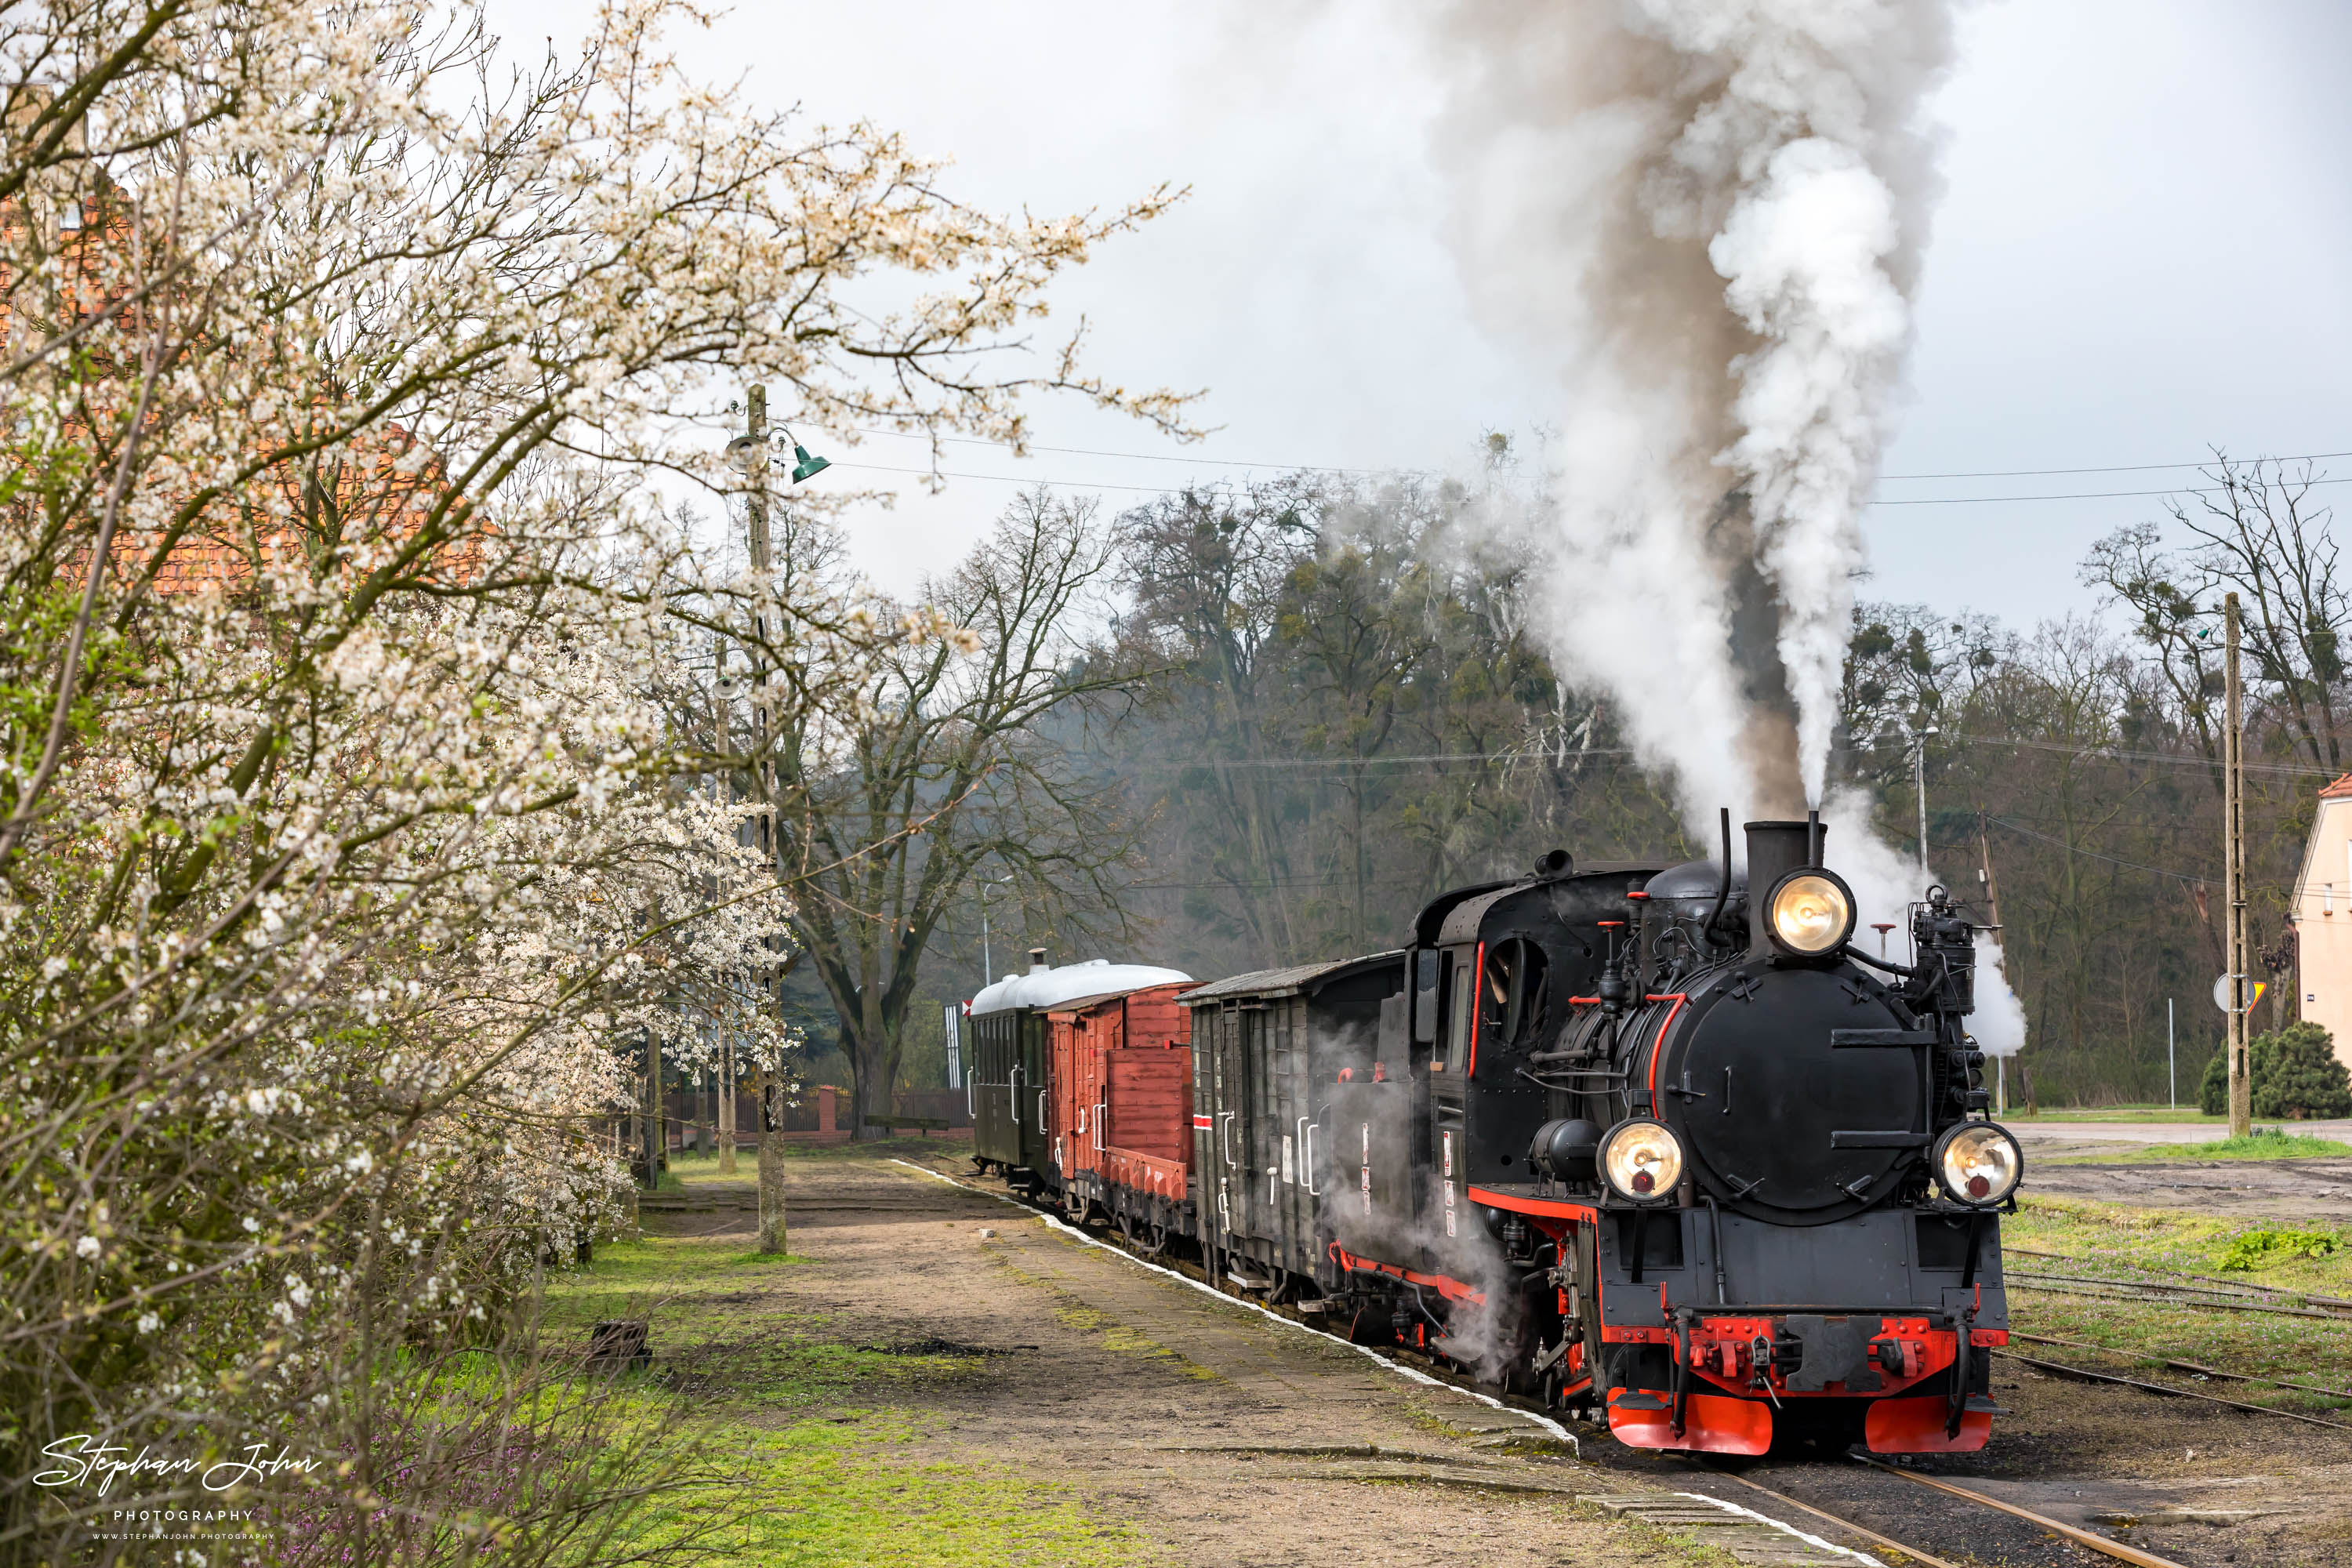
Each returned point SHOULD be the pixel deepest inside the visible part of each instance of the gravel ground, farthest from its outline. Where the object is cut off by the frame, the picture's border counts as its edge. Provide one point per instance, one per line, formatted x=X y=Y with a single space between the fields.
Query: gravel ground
x=2272 y=1189
x=1226 y=1439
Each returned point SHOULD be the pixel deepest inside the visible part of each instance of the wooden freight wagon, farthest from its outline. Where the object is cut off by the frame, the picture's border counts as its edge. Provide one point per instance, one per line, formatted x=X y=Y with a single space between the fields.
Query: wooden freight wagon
x=1122 y=1112
x=1270 y=1050
x=1008 y=1069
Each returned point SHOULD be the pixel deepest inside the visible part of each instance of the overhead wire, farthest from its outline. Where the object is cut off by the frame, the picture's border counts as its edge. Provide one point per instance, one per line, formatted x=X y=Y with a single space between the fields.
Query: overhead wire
x=1340 y=469
x=2110 y=753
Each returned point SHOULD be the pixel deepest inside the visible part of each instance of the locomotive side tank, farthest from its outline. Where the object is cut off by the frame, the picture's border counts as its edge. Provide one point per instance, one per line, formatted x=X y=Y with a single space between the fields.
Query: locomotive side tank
x=1448 y=1108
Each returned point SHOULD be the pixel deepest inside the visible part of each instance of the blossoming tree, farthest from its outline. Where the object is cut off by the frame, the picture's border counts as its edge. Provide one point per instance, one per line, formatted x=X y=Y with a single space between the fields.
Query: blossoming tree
x=341 y=835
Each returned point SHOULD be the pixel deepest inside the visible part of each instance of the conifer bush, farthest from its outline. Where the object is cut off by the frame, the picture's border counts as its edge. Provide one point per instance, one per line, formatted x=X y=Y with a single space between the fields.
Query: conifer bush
x=2294 y=1072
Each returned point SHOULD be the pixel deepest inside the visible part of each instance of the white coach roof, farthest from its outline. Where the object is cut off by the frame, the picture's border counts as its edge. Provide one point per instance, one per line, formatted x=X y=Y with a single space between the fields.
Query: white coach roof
x=1044 y=987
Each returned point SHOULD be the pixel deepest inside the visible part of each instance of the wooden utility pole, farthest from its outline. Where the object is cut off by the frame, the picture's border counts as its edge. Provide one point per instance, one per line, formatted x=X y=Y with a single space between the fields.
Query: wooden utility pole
x=771 y=1149
x=1993 y=907
x=2233 y=814
x=723 y=791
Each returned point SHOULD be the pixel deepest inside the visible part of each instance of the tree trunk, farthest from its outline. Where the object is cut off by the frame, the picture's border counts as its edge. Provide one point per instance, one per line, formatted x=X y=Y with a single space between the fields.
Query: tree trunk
x=726 y=1100
x=621 y=1134
x=772 y=1173
x=650 y=1125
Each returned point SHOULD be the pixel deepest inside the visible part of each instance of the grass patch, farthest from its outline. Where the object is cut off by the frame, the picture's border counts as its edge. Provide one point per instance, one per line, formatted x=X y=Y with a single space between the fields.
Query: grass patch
x=2129 y=1245
x=871 y=1494
x=830 y=1447
x=693 y=1168
x=2263 y=1144
x=2165 y=1114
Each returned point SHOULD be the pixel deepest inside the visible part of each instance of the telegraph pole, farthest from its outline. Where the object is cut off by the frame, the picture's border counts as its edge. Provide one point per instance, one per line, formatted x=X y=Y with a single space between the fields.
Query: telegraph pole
x=771 y=1148
x=723 y=793
x=2233 y=765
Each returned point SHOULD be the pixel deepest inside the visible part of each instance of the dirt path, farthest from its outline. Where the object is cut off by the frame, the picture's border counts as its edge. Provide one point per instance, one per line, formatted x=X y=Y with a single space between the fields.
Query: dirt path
x=1221 y=1437
x=2257 y=1189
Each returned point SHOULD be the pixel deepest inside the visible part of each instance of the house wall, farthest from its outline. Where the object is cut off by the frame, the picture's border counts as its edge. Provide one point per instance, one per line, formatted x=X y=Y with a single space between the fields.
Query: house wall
x=2322 y=918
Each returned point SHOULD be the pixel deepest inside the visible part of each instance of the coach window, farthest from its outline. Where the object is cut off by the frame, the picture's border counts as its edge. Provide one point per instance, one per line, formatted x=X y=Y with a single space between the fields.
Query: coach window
x=1457 y=1037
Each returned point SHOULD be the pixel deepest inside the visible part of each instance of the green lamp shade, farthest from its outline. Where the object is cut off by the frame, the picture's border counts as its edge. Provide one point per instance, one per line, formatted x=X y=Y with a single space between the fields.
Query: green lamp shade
x=807 y=467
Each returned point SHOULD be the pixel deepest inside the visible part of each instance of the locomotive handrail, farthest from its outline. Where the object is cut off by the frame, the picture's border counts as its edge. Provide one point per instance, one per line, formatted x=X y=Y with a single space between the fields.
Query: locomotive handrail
x=1887 y=964
x=1012 y=1095
x=1656 y=1046
x=1307 y=1129
x=1226 y=1135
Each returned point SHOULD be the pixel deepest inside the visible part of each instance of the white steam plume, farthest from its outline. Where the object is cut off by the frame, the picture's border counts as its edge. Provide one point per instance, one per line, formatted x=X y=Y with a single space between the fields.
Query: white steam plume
x=1711 y=211
x=1884 y=882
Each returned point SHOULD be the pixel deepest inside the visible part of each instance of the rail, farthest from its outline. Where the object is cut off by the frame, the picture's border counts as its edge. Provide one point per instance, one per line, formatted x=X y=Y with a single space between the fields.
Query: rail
x=2091 y=1538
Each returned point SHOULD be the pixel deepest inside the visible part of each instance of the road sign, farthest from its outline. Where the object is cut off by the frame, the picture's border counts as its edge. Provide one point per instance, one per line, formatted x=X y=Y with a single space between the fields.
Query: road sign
x=2254 y=989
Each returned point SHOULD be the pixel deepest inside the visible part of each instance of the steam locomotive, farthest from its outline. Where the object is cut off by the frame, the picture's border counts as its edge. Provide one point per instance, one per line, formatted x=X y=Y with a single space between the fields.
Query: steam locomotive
x=1637 y=1141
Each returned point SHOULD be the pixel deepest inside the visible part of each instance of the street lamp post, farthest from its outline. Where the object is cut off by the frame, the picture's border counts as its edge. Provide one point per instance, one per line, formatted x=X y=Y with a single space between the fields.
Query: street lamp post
x=988 y=969
x=1919 y=782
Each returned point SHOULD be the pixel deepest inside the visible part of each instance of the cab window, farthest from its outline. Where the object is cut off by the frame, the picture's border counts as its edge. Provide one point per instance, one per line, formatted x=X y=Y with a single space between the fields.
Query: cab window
x=1457 y=1034
x=1518 y=992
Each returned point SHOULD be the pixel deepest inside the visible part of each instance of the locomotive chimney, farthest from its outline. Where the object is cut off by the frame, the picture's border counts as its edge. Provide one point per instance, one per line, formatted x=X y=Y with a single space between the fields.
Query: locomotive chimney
x=1036 y=960
x=1775 y=850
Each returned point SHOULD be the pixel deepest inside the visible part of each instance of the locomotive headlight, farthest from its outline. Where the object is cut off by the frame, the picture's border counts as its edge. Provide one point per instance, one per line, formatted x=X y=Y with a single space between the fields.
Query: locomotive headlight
x=1811 y=911
x=1642 y=1161
x=1979 y=1162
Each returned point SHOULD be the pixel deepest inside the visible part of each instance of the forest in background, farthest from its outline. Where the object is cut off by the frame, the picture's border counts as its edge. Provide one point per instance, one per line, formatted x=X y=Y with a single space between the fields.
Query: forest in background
x=1340 y=707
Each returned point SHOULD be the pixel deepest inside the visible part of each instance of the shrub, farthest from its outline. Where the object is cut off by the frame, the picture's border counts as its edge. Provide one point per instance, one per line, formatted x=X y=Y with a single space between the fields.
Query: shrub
x=2299 y=1076
x=2259 y=1248
x=2296 y=1075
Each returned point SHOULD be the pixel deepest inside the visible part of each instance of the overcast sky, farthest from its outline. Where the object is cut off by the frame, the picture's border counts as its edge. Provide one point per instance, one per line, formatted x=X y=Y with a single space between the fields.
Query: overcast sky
x=2142 y=252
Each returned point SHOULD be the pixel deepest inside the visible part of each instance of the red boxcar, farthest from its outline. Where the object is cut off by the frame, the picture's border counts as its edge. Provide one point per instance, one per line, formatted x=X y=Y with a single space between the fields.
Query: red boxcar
x=1122 y=1109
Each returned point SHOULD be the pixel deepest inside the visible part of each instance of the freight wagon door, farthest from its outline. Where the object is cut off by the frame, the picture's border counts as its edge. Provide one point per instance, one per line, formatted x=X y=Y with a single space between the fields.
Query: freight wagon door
x=1064 y=1043
x=1226 y=1070
x=995 y=1052
x=1034 y=1093
x=1290 y=1132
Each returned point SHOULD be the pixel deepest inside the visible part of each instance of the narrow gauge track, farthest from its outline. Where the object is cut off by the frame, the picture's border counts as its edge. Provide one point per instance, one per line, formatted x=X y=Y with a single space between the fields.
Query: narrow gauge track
x=2206 y=1284
x=2196 y=1367
x=2091 y=1538
x=1691 y=1468
x=2160 y=1295
x=2084 y=1374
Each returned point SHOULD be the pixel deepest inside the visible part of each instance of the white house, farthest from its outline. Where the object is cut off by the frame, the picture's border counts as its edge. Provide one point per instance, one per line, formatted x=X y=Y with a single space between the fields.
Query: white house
x=2321 y=913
